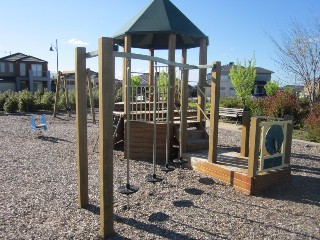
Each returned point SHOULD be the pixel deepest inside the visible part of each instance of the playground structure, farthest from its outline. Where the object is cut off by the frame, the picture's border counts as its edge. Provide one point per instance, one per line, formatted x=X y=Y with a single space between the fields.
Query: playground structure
x=42 y=126
x=149 y=123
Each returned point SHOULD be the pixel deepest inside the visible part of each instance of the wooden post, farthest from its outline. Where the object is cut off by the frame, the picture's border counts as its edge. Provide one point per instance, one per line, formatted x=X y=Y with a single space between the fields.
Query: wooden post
x=90 y=95
x=106 y=106
x=214 y=112
x=184 y=104
x=244 y=152
x=126 y=64
x=202 y=81
x=66 y=95
x=151 y=74
x=56 y=99
x=255 y=135
x=289 y=139
x=81 y=126
x=171 y=82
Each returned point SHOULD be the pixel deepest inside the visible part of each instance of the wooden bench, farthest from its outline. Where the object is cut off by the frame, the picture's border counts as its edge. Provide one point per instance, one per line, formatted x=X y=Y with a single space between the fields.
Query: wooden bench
x=231 y=112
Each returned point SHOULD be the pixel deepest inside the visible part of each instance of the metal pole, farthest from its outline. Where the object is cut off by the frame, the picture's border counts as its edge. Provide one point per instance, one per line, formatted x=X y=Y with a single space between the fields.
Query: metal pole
x=155 y=97
x=128 y=120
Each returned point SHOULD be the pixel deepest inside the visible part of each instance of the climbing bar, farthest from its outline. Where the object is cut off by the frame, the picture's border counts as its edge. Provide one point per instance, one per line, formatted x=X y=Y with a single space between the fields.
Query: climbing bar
x=151 y=58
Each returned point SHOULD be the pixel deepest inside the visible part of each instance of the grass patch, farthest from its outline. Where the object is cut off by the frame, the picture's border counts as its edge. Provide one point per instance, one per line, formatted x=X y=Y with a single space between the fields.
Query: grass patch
x=300 y=134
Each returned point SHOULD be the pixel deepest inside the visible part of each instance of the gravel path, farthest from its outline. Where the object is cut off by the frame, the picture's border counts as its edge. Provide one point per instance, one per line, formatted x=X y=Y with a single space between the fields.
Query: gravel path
x=38 y=193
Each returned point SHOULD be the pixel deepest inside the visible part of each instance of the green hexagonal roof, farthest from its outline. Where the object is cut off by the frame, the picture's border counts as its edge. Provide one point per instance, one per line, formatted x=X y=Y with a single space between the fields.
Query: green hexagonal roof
x=151 y=27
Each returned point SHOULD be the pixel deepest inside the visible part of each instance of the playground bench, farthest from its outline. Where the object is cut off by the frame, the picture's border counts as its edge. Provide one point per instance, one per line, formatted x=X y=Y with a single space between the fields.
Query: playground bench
x=231 y=112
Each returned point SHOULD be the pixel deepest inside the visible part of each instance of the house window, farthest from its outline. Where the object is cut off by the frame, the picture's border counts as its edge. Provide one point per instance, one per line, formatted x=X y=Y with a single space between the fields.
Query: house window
x=22 y=69
x=2 y=67
x=224 y=78
x=37 y=70
x=11 y=67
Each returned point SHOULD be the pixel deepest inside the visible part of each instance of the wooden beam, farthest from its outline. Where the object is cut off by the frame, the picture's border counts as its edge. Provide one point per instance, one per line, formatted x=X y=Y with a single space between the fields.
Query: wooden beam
x=91 y=96
x=184 y=104
x=202 y=80
x=214 y=112
x=126 y=64
x=81 y=126
x=66 y=95
x=244 y=151
x=255 y=135
x=106 y=106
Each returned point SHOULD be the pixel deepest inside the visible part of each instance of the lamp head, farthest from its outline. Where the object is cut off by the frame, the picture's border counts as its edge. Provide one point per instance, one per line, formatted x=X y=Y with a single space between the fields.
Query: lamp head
x=51 y=49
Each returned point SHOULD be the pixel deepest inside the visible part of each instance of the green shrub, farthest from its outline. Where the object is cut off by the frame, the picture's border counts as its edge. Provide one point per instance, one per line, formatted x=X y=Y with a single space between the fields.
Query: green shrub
x=118 y=97
x=231 y=102
x=312 y=123
x=37 y=100
x=72 y=99
x=258 y=107
x=11 y=103
x=2 y=100
x=62 y=100
x=26 y=101
x=47 y=101
x=95 y=95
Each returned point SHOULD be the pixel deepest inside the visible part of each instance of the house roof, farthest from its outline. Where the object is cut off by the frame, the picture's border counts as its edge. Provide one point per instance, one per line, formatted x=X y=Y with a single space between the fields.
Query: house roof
x=20 y=57
x=151 y=27
x=260 y=70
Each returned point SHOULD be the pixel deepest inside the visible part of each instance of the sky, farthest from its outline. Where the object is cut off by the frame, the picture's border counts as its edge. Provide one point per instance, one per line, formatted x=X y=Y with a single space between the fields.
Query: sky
x=237 y=30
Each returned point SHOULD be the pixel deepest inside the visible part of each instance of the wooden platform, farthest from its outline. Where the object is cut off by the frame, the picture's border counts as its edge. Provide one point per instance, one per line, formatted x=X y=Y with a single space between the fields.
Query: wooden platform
x=232 y=169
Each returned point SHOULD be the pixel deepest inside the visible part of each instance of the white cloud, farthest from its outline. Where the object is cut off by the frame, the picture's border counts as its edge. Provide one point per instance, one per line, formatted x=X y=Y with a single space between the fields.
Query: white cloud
x=77 y=42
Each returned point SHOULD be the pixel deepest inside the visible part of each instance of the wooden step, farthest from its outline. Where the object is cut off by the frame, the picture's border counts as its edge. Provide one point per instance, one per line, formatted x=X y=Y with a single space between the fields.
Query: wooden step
x=197 y=144
x=196 y=134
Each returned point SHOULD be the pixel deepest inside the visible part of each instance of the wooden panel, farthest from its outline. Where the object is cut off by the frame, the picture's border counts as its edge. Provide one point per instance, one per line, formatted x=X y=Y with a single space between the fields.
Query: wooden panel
x=244 y=152
x=254 y=146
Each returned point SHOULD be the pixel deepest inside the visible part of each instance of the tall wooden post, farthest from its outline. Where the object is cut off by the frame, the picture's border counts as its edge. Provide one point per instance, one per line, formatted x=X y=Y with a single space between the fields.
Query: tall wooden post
x=126 y=64
x=255 y=135
x=91 y=96
x=244 y=151
x=106 y=106
x=56 y=99
x=151 y=73
x=171 y=81
x=184 y=104
x=81 y=126
x=202 y=80
x=66 y=95
x=214 y=112
x=289 y=139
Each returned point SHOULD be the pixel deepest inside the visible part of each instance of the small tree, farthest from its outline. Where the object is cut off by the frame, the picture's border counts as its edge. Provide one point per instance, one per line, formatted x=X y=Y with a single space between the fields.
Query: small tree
x=271 y=88
x=242 y=79
x=135 y=80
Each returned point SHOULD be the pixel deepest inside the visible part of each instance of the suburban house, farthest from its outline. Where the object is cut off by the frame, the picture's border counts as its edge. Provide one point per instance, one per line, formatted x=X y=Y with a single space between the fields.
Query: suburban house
x=70 y=77
x=226 y=88
x=19 y=71
x=315 y=84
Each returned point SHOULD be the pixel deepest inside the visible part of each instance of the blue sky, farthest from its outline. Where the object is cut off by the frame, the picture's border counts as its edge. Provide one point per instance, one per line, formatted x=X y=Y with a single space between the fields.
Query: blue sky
x=236 y=29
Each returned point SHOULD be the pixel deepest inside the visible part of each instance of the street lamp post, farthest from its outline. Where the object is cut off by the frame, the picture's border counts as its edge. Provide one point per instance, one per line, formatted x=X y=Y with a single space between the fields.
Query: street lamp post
x=58 y=76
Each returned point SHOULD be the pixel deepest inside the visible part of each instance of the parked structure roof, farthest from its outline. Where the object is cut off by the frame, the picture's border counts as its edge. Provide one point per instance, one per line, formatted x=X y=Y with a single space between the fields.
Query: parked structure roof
x=151 y=27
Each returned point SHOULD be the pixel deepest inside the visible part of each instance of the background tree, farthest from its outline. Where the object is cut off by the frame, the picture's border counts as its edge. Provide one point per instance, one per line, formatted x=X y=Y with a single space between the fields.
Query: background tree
x=298 y=54
x=135 y=80
x=242 y=78
x=271 y=88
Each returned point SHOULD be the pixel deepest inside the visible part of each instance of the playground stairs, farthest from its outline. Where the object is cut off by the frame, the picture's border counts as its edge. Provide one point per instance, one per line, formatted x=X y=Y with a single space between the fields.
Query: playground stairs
x=197 y=136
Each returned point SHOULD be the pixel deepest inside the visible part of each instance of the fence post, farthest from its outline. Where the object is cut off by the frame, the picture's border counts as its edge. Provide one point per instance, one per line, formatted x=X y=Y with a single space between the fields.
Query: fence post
x=244 y=152
x=254 y=146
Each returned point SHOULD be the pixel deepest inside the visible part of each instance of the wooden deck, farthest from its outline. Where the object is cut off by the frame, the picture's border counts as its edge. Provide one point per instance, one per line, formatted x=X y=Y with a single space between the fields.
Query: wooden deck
x=232 y=169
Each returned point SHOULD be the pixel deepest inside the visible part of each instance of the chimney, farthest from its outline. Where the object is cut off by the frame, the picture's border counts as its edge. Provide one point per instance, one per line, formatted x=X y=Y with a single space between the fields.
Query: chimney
x=231 y=63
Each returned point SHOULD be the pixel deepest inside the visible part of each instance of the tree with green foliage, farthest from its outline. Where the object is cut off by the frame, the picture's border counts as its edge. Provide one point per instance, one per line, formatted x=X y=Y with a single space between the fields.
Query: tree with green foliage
x=242 y=79
x=135 y=80
x=271 y=88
